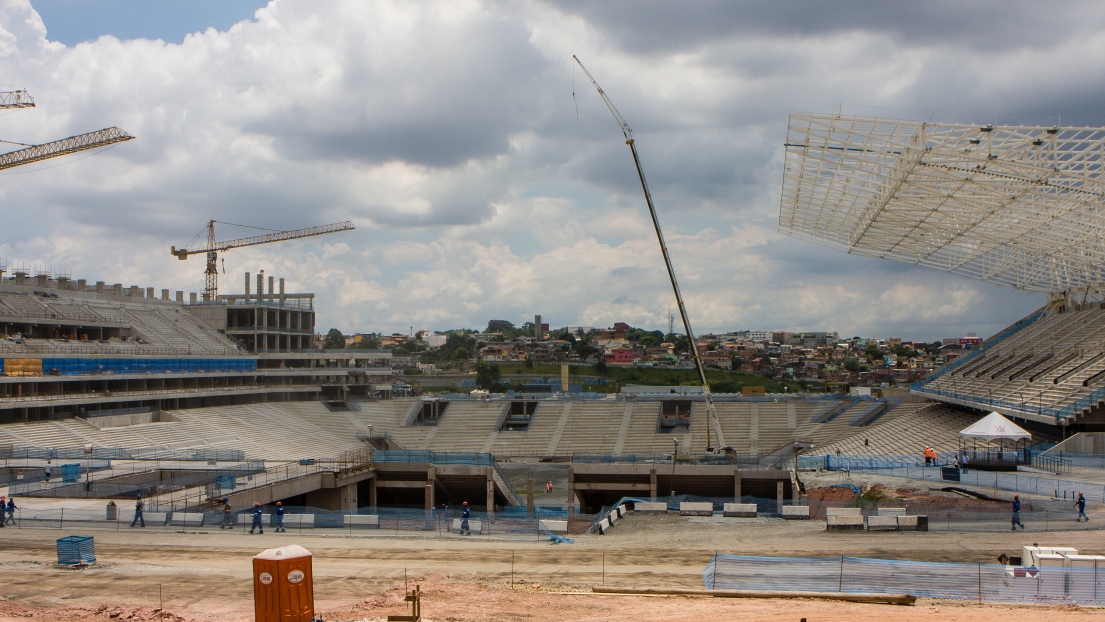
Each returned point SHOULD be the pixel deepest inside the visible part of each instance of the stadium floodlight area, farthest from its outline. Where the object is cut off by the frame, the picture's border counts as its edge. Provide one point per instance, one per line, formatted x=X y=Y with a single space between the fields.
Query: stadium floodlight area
x=1017 y=206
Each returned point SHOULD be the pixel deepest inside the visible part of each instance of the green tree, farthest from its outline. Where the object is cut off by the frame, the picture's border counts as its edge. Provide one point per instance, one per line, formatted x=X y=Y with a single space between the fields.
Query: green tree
x=488 y=376
x=499 y=326
x=872 y=352
x=851 y=363
x=334 y=340
x=367 y=342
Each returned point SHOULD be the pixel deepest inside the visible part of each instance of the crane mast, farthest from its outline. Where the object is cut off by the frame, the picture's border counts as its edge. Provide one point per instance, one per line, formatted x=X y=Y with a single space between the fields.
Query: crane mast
x=711 y=412
x=213 y=247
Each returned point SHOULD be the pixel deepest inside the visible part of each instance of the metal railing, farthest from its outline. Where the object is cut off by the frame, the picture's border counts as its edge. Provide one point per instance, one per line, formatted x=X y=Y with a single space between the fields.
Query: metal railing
x=159 y=392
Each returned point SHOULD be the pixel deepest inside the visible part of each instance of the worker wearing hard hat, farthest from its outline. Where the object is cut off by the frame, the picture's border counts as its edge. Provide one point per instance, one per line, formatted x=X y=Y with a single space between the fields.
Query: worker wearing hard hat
x=1081 y=505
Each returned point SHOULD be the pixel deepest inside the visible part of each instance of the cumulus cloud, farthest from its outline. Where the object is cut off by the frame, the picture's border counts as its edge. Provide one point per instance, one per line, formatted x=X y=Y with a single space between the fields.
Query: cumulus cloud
x=485 y=176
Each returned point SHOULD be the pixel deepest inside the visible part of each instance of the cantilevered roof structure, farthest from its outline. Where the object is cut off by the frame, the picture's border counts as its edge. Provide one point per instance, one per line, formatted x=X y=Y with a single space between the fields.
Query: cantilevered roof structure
x=1017 y=206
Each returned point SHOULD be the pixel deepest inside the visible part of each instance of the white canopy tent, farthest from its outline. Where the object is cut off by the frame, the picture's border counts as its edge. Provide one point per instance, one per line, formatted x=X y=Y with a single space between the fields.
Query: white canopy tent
x=994 y=442
x=995 y=427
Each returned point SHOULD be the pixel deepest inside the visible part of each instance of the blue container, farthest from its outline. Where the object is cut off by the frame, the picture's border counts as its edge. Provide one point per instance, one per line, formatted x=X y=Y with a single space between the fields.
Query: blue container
x=76 y=550
x=70 y=472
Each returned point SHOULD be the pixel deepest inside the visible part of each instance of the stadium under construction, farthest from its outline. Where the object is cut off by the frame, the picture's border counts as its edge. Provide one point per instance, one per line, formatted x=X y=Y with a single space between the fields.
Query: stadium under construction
x=231 y=385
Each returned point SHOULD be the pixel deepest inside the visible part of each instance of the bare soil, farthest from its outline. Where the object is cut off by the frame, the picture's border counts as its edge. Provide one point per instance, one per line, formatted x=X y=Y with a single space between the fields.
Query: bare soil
x=207 y=575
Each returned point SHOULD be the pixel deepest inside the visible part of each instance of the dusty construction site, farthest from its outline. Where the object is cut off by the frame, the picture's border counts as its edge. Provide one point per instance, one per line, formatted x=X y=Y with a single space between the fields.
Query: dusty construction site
x=204 y=575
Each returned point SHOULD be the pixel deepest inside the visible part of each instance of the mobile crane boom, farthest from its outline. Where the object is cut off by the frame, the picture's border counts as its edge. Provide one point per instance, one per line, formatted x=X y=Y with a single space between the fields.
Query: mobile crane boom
x=711 y=413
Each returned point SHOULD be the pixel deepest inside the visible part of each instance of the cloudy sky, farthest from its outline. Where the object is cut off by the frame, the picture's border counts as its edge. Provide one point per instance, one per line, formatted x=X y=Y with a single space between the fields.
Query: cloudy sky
x=484 y=174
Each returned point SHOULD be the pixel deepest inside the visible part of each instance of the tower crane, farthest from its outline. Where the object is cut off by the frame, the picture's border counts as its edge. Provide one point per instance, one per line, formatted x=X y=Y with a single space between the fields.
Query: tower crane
x=57 y=148
x=711 y=412
x=213 y=247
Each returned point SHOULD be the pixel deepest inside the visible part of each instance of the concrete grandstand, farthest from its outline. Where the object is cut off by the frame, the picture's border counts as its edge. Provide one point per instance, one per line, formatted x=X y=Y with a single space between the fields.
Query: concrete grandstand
x=69 y=348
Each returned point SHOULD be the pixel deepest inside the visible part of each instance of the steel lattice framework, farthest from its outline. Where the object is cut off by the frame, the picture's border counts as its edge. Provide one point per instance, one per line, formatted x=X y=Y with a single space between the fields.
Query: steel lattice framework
x=1018 y=206
x=65 y=146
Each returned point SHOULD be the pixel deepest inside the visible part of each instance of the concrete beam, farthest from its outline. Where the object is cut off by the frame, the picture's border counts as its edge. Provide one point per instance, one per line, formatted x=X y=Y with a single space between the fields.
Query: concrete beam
x=614 y=486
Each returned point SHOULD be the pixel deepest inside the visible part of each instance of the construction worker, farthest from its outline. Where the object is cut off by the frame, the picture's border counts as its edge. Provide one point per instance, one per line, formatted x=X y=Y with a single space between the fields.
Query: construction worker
x=139 y=505
x=464 y=515
x=279 y=515
x=228 y=516
x=1081 y=505
x=258 y=513
x=1017 y=512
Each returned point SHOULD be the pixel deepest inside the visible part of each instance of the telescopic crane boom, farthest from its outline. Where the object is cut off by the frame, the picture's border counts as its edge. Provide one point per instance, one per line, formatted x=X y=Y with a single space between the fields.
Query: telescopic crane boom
x=711 y=413
x=212 y=248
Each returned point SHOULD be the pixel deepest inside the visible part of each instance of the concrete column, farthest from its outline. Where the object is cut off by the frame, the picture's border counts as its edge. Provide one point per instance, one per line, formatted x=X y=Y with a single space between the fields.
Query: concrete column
x=652 y=484
x=779 y=495
x=349 y=497
x=281 y=291
x=490 y=492
x=246 y=290
x=571 y=492
x=192 y=298
x=260 y=287
x=794 y=493
x=164 y=294
x=117 y=289
x=149 y=293
x=529 y=499
x=737 y=485
x=82 y=285
x=100 y=287
x=180 y=297
x=271 y=279
x=431 y=478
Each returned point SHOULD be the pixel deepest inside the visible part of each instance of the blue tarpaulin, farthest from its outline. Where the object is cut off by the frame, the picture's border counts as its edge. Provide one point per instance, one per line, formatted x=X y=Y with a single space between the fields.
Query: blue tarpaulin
x=76 y=550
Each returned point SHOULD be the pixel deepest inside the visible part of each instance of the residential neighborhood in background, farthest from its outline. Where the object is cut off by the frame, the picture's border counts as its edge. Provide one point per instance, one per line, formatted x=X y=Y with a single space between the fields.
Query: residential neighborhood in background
x=810 y=358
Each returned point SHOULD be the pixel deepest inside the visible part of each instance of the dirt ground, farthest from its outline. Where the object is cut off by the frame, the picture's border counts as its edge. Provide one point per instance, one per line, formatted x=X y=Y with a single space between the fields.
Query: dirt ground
x=207 y=575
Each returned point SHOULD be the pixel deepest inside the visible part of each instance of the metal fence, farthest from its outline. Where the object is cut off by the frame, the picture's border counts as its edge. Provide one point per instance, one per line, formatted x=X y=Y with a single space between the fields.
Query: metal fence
x=1014 y=482
x=115 y=453
x=435 y=457
x=377 y=522
x=154 y=485
x=957 y=581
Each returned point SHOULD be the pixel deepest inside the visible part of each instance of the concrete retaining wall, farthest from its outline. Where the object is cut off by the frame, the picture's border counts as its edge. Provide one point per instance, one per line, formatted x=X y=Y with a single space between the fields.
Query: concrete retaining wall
x=555 y=526
x=299 y=521
x=696 y=508
x=891 y=511
x=844 y=523
x=739 y=510
x=474 y=526
x=363 y=521
x=842 y=512
x=882 y=523
x=650 y=507
x=796 y=512
x=186 y=519
x=913 y=523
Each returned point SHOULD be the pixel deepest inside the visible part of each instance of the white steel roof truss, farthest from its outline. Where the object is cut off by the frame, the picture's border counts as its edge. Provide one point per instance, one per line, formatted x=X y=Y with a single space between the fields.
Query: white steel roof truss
x=1020 y=206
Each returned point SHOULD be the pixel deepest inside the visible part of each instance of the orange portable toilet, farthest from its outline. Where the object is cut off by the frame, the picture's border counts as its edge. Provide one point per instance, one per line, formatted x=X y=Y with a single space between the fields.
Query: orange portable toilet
x=282 y=585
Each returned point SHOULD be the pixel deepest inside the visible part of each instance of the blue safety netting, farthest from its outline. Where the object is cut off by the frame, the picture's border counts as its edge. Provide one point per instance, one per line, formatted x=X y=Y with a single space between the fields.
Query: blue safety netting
x=118 y=366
